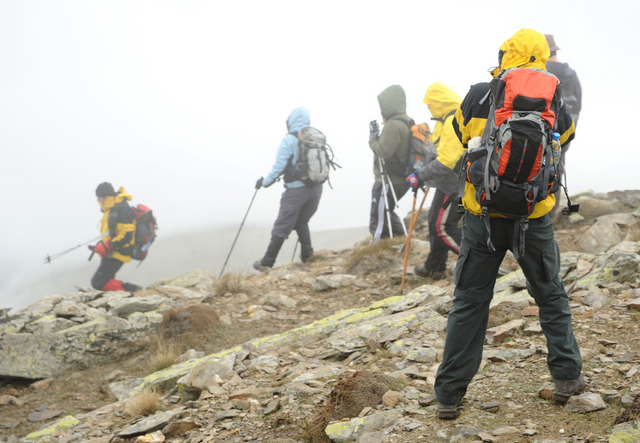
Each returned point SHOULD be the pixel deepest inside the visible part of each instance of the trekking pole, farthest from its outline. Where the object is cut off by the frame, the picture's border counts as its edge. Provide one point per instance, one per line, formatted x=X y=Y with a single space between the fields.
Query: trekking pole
x=238 y=234
x=386 y=200
x=426 y=192
x=408 y=240
x=393 y=192
x=395 y=199
x=49 y=258
x=295 y=248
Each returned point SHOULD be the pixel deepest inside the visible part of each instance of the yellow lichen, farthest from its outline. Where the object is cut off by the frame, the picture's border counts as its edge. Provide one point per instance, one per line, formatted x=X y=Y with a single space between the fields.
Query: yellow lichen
x=66 y=423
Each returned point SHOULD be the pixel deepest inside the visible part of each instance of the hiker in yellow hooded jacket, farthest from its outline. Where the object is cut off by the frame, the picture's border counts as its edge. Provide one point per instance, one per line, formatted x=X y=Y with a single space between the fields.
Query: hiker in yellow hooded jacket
x=478 y=264
x=441 y=174
x=118 y=227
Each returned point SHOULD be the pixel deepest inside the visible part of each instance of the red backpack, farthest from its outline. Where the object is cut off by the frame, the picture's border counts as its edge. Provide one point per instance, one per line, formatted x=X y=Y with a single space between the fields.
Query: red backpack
x=514 y=168
x=146 y=225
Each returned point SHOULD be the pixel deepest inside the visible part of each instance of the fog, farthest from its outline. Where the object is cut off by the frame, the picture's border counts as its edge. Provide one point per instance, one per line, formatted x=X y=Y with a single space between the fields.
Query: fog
x=183 y=103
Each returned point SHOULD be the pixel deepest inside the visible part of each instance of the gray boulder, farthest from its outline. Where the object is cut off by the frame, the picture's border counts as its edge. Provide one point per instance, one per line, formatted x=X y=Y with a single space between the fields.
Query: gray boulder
x=602 y=235
x=584 y=403
x=620 y=264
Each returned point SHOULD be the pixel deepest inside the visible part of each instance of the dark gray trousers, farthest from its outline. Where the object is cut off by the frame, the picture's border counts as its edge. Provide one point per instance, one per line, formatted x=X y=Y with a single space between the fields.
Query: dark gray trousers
x=475 y=276
x=297 y=206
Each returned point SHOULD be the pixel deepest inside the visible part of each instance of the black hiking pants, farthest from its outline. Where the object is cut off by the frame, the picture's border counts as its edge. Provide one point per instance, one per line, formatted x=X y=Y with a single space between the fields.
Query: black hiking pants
x=378 y=224
x=444 y=233
x=475 y=277
x=106 y=271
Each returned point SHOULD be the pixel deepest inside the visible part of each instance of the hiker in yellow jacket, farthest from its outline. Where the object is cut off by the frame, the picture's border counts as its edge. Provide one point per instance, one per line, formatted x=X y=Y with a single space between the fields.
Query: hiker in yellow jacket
x=441 y=174
x=478 y=263
x=119 y=228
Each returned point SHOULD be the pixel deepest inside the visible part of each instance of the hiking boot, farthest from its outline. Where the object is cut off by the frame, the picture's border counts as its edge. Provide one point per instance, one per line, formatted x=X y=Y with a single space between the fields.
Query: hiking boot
x=565 y=388
x=420 y=271
x=257 y=265
x=448 y=412
x=130 y=287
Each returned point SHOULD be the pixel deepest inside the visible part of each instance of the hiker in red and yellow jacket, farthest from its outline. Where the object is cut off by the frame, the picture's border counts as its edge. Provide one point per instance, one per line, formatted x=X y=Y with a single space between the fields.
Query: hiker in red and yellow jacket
x=479 y=261
x=119 y=228
x=442 y=174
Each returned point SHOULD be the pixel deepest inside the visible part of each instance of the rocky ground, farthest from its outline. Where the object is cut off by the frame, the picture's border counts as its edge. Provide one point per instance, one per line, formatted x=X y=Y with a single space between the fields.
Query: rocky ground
x=327 y=351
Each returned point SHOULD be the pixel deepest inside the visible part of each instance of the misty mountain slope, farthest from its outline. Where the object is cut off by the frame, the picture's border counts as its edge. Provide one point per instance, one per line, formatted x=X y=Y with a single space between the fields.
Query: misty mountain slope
x=168 y=257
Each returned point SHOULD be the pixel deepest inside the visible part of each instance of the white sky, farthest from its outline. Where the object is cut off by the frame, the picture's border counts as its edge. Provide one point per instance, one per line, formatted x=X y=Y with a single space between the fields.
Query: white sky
x=184 y=102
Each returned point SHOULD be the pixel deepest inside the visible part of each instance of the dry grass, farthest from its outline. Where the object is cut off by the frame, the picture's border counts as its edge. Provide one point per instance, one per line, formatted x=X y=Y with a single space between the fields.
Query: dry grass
x=505 y=312
x=198 y=319
x=404 y=382
x=144 y=403
x=374 y=258
x=163 y=353
x=232 y=282
x=145 y=292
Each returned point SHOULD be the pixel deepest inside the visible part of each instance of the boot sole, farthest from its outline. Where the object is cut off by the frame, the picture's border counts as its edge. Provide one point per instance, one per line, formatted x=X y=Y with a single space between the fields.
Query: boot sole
x=563 y=398
x=448 y=415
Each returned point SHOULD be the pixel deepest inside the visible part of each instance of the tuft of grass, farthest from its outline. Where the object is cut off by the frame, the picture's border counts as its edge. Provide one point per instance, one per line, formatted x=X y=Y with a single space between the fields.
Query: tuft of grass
x=306 y=431
x=503 y=313
x=164 y=353
x=231 y=282
x=315 y=259
x=374 y=258
x=404 y=382
x=144 y=403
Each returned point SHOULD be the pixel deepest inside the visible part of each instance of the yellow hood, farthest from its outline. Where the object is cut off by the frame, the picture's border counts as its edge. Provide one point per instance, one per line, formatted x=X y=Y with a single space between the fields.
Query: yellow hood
x=440 y=94
x=527 y=48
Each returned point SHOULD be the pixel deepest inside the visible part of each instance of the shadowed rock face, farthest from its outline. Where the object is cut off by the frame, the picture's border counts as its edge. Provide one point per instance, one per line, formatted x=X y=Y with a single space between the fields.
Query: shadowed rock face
x=349 y=397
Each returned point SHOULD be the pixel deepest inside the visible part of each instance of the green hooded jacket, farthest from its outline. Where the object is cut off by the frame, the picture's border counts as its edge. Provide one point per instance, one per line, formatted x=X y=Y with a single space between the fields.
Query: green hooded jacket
x=395 y=139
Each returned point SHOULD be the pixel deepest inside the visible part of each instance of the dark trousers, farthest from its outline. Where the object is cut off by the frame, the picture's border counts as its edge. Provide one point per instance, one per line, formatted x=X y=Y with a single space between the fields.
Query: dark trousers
x=475 y=276
x=106 y=271
x=297 y=206
x=378 y=224
x=444 y=234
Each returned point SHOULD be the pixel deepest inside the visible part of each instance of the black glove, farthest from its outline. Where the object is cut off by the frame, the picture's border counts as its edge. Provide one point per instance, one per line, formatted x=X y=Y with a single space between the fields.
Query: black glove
x=259 y=183
x=374 y=129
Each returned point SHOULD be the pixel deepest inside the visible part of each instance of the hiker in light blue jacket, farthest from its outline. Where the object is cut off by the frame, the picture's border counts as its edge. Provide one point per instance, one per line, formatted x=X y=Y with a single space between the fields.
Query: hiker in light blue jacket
x=299 y=202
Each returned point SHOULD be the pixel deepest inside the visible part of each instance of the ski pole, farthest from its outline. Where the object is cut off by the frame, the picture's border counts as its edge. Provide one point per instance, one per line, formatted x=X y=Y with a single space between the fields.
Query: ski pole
x=386 y=200
x=238 y=234
x=408 y=240
x=49 y=258
x=293 y=257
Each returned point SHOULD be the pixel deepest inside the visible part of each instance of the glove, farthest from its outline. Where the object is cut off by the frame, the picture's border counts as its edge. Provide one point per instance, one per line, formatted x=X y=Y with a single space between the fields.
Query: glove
x=259 y=183
x=474 y=144
x=102 y=248
x=374 y=129
x=413 y=181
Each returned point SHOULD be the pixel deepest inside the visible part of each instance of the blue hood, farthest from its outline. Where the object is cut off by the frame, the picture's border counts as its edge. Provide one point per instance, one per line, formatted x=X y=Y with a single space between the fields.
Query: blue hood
x=298 y=119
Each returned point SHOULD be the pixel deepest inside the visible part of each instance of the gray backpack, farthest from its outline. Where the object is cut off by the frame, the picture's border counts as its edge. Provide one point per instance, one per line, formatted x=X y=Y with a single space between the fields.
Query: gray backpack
x=315 y=159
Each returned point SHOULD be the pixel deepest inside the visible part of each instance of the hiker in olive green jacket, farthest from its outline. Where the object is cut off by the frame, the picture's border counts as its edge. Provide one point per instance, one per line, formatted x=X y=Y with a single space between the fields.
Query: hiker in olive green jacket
x=392 y=146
